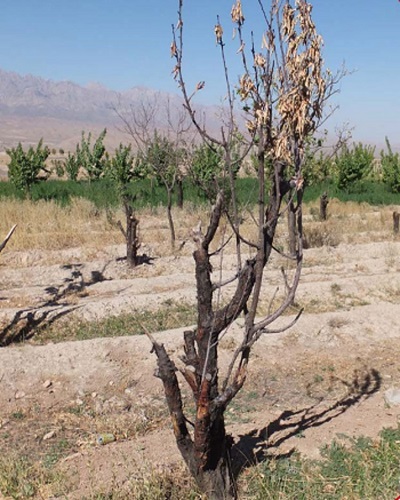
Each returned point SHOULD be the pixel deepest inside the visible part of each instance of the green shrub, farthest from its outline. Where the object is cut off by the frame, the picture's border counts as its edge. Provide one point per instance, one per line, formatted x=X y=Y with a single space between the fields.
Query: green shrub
x=206 y=168
x=391 y=168
x=318 y=168
x=353 y=165
x=121 y=169
x=25 y=167
x=93 y=159
x=161 y=160
x=71 y=167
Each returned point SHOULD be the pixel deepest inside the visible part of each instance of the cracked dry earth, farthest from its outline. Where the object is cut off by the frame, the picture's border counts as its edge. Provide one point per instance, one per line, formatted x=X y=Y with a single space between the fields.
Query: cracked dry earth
x=324 y=379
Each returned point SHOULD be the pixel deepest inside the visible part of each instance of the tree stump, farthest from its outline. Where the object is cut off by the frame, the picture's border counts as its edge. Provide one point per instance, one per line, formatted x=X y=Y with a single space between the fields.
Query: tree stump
x=132 y=240
x=396 y=220
x=323 y=205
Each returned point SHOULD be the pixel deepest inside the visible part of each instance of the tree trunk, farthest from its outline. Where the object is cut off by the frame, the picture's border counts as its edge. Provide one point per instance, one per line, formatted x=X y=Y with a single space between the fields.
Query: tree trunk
x=211 y=464
x=218 y=484
x=131 y=236
x=170 y=219
x=179 y=186
x=207 y=451
x=292 y=228
x=323 y=205
x=396 y=220
x=7 y=238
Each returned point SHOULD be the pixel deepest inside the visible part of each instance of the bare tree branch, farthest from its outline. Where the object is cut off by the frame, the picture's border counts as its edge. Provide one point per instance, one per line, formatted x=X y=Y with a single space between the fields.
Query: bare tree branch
x=7 y=238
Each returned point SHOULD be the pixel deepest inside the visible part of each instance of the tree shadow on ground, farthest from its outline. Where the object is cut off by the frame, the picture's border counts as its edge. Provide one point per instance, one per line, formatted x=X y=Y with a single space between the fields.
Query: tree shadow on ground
x=75 y=283
x=255 y=446
x=28 y=321
x=141 y=259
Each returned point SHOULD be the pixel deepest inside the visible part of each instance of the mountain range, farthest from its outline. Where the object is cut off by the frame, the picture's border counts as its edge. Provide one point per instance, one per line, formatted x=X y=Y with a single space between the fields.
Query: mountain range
x=32 y=108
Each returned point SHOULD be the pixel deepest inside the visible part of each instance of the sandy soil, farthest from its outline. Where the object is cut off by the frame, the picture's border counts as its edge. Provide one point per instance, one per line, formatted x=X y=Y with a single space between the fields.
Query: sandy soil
x=324 y=379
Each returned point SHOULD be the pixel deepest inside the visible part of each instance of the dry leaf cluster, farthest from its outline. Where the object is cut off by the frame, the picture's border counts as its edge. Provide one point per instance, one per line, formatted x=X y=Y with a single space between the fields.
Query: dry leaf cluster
x=285 y=89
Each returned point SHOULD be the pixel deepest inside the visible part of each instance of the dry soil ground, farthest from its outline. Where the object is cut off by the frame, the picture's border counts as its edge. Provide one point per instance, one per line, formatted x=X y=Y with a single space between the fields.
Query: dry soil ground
x=324 y=379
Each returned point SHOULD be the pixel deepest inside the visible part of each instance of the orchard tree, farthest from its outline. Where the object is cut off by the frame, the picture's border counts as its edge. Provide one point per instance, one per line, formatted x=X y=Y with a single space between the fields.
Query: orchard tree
x=390 y=163
x=68 y=166
x=92 y=158
x=282 y=91
x=162 y=135
x=353 y=164
x=26 y=168
x=162 y=159
x=87 y=157
x=122 y=171
x=206 y=167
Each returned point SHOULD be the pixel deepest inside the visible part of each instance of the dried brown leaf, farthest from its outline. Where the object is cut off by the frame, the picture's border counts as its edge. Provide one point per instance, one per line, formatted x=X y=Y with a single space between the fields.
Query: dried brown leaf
x=173 y=50
x=218 y=32
x=237 y=13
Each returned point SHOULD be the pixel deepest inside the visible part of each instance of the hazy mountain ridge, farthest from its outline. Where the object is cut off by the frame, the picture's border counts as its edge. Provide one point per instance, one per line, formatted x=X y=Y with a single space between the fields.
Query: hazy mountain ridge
x=36 y=96
x=32 y=107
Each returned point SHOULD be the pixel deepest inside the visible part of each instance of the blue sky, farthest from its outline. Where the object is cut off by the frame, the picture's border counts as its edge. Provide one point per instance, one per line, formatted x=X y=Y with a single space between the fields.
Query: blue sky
x=125 y=43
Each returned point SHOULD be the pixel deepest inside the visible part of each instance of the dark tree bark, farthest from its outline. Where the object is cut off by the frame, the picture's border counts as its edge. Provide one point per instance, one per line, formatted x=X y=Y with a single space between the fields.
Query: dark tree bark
x=207 y=452
x=396 y=221
x=130 y=234
x=323 y=206
x=292 y=228
x=169 y=215
x=132 y=240
x=179 y=188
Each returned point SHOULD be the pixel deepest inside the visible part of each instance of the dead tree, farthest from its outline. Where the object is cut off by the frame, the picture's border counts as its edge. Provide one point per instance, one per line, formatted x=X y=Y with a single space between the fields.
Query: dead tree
x=283 y=90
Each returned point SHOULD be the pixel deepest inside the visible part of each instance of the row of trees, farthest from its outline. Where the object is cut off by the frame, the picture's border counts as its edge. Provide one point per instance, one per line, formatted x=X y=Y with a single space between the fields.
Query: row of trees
x=159 y=158
x=168 y=164
x=347 y=165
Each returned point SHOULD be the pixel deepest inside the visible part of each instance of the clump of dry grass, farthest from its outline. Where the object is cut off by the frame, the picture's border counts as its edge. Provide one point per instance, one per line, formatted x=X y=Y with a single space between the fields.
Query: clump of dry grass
x=348 y=222
x=322 y=234
x=155 y=484
x=353 y=222
x=391 y=254
x=48 y=226
x=45 y=225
